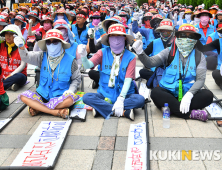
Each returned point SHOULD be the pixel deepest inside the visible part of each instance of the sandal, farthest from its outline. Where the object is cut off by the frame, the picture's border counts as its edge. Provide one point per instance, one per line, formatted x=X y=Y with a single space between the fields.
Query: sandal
x=34 y=112
x=62 y=113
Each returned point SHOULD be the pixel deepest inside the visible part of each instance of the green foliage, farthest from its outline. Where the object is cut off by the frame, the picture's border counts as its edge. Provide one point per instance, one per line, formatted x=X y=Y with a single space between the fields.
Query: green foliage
x=209 y=3
x=140 y=2
x=219 y=2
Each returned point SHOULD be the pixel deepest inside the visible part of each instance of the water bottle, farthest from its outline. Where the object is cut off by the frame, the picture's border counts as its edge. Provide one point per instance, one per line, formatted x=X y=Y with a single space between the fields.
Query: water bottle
x=166 y=116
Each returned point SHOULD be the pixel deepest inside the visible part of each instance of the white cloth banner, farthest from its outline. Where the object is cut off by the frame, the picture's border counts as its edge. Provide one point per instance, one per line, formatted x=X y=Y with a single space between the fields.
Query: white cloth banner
x=44 y=145
x=136 y=149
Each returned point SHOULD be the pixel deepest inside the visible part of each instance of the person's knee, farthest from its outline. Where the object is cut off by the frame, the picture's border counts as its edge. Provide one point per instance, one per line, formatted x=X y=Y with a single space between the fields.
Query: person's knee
x=88 y=98
x=154 y=92
x=208 y=96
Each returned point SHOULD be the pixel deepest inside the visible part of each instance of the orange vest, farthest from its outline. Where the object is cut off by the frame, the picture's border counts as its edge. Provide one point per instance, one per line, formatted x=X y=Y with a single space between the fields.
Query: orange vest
x=33 y=29
x=9 y=64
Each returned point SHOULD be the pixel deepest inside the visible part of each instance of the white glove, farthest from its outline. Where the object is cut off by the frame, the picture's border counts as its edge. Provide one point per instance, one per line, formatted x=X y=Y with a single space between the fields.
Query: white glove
x=118 y=106
x=91 y=33
x=130 y=26
x=185 y=102
x=181 y=14
x=138 y=36
x=175 y=15
x=18 y=41
x=88 y=25
x=221 y=69
x=100 y=25
x=68 y=92
x=138 y=46
x=30 y=22
x=82 y=50
x=136 y=16
x=111 y=13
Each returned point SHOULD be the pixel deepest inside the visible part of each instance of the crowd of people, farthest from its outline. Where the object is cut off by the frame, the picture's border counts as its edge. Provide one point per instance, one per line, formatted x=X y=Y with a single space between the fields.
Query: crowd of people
x=177 y=44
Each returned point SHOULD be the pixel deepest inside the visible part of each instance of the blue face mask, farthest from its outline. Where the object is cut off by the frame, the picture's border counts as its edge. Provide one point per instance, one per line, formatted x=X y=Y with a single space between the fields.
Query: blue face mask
x=54 y=50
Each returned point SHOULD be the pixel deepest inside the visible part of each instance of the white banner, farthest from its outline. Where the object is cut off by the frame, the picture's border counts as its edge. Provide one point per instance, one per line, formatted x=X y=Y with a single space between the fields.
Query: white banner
x=4 y=122
x=44 y=145
x=136 y=149
x=78 y=113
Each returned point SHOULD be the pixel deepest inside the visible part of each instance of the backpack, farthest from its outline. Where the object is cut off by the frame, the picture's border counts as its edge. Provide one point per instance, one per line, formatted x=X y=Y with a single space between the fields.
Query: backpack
x=157 y=75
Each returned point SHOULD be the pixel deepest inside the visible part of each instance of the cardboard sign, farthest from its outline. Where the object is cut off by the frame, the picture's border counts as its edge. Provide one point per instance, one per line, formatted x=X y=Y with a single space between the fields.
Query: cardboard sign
x=144 y=91
x=44 y=145
x=214 y=110
x=4 y=122
x=79 y=114
x=136 y=149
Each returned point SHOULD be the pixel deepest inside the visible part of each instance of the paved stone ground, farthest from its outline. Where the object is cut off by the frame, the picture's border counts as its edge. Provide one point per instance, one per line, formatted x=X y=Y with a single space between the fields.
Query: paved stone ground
x=99 y=144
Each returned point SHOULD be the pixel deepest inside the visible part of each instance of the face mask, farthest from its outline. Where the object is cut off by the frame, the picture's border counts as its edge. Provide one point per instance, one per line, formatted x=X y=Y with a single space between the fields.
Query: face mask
x=47 y=26
x=166 y=35
x=204 y=20
x=219 y=34
x=197 y=20
x=95 y=22
x=65 y=34
x=147 y=24
x=60 y=17
x=54 y=50
x=117 y=44
x=185 y=45
x=188 y=17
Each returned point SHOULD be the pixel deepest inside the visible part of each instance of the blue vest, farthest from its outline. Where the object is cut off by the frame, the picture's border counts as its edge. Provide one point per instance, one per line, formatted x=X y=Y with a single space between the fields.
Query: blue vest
x=170 y=78
x=204 y=38
x=83 y=38
x=214 y=36
x=219 y=58
x=49 y=87
x=72 y=50
x=107 y=61
x=97 y=33
x=157 y=48
x=151 y=37
x=107 y=17
x=215 y=24
x=144 y=43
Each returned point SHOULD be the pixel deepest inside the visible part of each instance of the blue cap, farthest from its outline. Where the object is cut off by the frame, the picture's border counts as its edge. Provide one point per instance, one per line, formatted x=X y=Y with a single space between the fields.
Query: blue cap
x=165 y=104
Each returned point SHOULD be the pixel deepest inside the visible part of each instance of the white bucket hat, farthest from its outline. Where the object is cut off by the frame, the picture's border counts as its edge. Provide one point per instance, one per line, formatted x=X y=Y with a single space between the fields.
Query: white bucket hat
x=56 y=34
x=117 y=29
x=165 y=24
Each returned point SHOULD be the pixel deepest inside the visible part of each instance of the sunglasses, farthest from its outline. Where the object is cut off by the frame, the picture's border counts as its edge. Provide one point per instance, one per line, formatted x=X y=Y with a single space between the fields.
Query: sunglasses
x=191 y=36
x=55 y=42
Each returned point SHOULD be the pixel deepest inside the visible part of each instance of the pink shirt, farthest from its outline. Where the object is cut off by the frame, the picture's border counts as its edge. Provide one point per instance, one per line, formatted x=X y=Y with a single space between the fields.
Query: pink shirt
x=130 y=71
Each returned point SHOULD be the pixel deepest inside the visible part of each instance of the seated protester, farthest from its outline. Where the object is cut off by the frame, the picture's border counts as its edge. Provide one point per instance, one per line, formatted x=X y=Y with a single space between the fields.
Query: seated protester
x=80 y=29
x=63 y=26
x=13 y=69
x=72 y=17
x=127 y=17
x=115 y=85
x=174 y=16
x=96 y=19
x=44 y=12
x=19 y=20
x=185 y=17
x=194 y=19
x=34 y=23
x=11 y=16
x=93 y=48
x=46 y=24
x=60 y=14
x=205 y=29
x=166 y=30
x=107 y=13
x=103 y=13
x=59 y=76
x=149 y=34
x=24 y=9
x=146 y=20
x=215 y=10
x=183 y=77
x=2 y=26
x=4 y=99
x=112 y=11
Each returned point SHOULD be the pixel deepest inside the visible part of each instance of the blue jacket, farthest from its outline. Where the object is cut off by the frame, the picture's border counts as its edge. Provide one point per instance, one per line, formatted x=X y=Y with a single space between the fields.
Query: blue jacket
x=83 y=37
x=107 y=61
x=54 y=87
x=170 y=78
x=204 y=38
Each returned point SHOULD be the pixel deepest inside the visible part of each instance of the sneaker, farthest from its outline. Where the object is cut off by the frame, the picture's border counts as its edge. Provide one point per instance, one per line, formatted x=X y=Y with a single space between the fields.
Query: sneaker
x=95 y=85
x=129 y=114
x=95 y=113
x=199 y=115
x=15 y=87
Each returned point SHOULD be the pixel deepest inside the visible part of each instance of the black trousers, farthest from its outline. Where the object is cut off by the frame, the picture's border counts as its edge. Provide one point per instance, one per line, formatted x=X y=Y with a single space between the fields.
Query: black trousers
x=217 y=77
x=145 y=74
x=211 y=60
x=200 y=100
x=94 y=75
